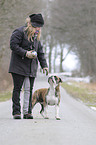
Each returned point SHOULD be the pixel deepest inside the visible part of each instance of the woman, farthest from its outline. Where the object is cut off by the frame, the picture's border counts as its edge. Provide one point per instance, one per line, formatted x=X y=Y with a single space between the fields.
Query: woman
x=24 y=63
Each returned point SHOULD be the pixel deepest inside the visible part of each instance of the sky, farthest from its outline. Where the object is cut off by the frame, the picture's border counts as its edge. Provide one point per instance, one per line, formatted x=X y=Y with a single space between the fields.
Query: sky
x=70 y=63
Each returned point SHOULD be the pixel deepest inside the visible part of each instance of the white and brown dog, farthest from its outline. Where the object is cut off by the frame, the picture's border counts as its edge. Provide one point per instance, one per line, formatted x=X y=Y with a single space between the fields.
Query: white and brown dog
x=48 y=96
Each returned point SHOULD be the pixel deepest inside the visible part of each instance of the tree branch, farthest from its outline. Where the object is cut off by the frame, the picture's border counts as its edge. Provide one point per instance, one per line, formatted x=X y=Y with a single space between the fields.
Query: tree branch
x=67 y=53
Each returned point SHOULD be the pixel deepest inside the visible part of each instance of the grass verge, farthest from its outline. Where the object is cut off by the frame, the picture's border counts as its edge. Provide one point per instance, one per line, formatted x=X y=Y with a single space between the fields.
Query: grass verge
x=5 y=96
x=86 y=92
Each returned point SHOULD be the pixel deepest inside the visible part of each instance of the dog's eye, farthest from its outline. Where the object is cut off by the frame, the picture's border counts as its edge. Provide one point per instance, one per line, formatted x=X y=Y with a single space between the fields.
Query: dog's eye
x=55 y=78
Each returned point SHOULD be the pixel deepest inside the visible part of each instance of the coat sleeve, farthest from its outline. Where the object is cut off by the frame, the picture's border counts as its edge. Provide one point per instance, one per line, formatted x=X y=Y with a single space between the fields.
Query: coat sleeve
x=41 y=56
x=15 y=42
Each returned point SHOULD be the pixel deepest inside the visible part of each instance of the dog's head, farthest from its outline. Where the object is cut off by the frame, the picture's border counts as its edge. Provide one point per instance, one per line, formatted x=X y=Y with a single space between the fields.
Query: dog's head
x=54 y=80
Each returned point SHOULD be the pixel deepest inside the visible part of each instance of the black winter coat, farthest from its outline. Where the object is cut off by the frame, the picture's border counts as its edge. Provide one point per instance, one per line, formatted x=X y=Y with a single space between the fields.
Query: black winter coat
x=19 y=63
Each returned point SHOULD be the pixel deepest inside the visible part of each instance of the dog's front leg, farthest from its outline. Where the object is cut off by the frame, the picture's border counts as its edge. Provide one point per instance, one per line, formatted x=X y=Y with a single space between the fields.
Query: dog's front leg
x=57 y=112
x=46 y=112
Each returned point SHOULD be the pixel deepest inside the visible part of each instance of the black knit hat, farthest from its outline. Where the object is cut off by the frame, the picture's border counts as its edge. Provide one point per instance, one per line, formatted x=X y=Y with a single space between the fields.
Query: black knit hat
x=37 y=20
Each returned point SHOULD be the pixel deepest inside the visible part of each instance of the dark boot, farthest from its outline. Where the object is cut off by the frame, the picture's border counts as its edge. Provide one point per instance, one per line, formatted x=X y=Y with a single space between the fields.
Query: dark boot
x=17 y=116
x=27 y=116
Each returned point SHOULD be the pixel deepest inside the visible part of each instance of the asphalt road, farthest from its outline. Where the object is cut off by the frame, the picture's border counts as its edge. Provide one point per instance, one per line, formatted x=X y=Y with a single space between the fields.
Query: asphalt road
x=76 y=127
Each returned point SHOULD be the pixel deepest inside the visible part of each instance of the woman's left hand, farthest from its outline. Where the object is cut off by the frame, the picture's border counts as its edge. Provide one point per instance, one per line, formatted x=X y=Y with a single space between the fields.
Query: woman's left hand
x=45 y=70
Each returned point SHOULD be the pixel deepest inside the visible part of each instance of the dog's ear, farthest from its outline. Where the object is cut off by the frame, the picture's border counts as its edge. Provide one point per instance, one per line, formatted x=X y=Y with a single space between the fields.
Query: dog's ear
x=49 y=79
x=60 y=80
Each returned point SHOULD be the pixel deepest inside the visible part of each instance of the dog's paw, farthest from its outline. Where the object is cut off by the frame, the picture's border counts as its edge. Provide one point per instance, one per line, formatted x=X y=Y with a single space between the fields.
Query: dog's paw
x=58 y=118
x=46 y=117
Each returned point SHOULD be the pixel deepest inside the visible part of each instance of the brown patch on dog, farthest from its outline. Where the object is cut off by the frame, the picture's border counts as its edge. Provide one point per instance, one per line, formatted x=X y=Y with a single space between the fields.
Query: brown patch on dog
x=39 y=96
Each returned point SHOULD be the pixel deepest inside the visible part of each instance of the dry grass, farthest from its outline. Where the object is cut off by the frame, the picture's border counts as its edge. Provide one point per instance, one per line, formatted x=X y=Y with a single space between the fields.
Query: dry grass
x=86 y=92
x=5 y=96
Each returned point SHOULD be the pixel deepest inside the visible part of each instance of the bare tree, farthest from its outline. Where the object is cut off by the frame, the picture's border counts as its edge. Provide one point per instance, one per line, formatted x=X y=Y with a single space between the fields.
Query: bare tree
x=71 y=22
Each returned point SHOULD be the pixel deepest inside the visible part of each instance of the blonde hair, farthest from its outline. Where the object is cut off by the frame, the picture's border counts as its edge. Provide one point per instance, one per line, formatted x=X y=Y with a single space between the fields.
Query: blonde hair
x=31 y=30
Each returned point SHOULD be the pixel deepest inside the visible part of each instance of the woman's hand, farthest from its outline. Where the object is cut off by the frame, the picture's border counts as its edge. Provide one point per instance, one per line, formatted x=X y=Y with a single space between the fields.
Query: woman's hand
x=30 y=54
x=45 y=70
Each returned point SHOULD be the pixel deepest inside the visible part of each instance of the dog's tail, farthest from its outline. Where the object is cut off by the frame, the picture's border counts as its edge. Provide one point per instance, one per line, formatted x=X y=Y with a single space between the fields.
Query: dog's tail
x=34 y=98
